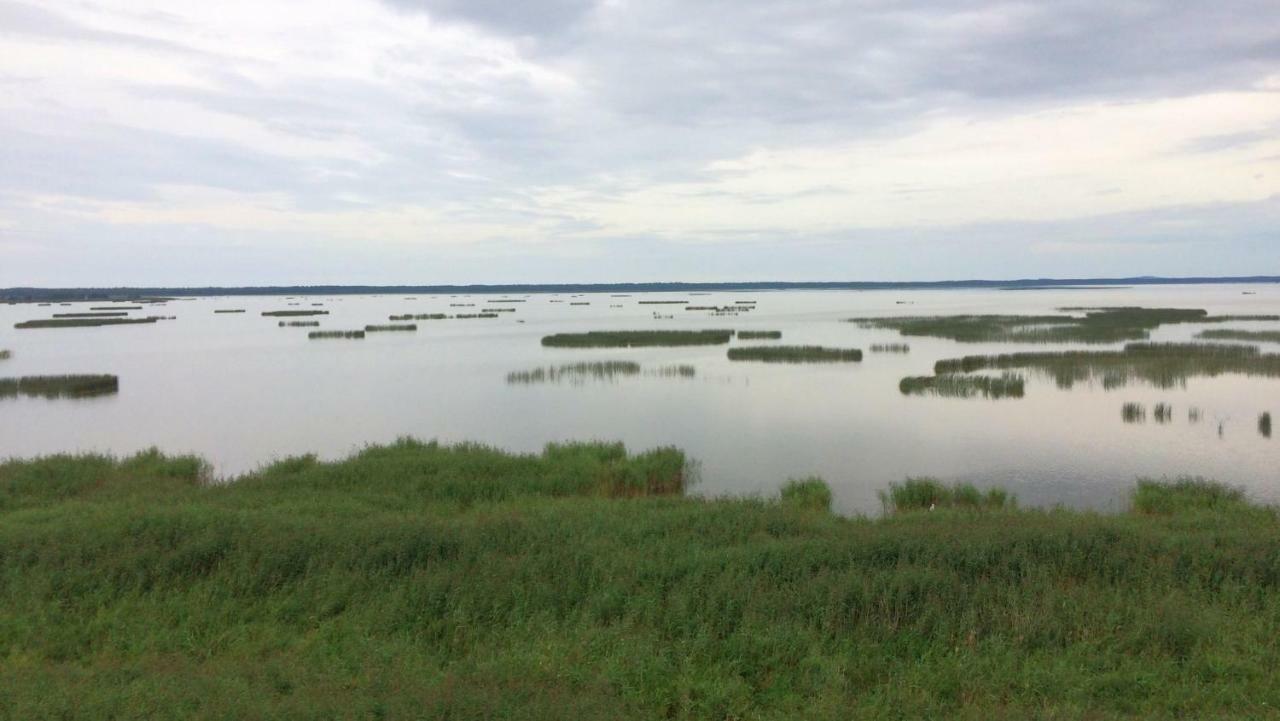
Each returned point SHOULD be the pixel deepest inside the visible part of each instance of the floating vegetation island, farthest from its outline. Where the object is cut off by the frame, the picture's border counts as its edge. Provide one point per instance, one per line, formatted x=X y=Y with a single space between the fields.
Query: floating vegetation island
x=287 y=313
x=324 y=334
x=637 y=338
x=759 y=334
x=795 y=354
x=82 y=322
x=1097 y=325
x=1008 y=385
x=63 y=386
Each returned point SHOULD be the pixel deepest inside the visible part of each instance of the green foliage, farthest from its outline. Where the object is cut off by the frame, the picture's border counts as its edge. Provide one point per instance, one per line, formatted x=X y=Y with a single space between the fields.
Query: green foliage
x=795 y=354
x=927 y=494
x=637 y=338
x=1185 y=494
x=417 y=580
x=1133 y=413
x=65 y=386
x=890 y=348
x=810 y=493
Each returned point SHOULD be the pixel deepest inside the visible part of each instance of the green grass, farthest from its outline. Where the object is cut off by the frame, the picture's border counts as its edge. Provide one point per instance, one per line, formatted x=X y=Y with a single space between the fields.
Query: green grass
x=1163 y=365
x=929 y=494
x=426 y=581
x=795 y=354
x=288 y=313
x=890 y=348
x=393 y=327
x=1096 y=325
x=1185 y=495
x=674 y=371
x=1257 y=336
x=326 y=334
x=81 y=322
x=299 y=323
x=64 y=386
x=759 y=334
x=810 y=493
x=1008 y=385
x=662 y=302
x=637 y=338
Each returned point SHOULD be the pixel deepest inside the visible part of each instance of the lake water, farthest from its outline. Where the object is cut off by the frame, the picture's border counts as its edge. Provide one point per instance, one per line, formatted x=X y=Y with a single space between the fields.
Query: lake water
x=241 y=391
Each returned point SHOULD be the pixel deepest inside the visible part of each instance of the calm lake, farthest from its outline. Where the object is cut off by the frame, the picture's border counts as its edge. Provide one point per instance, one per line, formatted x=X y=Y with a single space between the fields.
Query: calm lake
x=241 y=391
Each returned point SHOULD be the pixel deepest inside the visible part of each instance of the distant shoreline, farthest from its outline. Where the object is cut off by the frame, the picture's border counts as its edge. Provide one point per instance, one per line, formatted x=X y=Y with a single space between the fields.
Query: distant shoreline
x=26 y=294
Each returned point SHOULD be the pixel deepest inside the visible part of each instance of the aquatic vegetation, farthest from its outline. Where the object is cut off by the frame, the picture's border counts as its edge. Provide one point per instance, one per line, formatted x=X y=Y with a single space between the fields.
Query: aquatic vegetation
x=1162 y=412
x=637 y=338
x=60 y=386
x=1257 y=336
x=323 y=334
x=5 y=354
x=576 y=372
x=476 y=315
x=299 y=323
x=890 y=348
x=1264 y=425
x=1163 y=365
x=662 y=302
x=115 y=307
x=927 y=494
x=1193 y=415
x=1008 y=385
x=1097 y=325
x=286 y=313
x=1133 y=413
x=795 y=354
x=676 y=371
x=419 y=316
x=82 y=322
x=230 y=310
x=91 y=315
x=810 y=493
x=506 y=300
x=759 y=334
x=390 y=327
x=579 y=303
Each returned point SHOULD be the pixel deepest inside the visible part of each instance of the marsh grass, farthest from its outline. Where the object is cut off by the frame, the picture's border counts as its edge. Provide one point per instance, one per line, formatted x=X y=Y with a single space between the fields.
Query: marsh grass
x=288 y=313
x=672 y=371
x=506 y=300
x=890 y=348
x=299 y=323
x=406 y=327
x=82 y=322
x=1183 y=495
x=230 y=310
x=60 y=386
x=662 y=302
x=1257 y=336
x=112 y=314
x=928 y=494
x=1133 y=413
x=1163 y=365
x=463 y=316
x=1193 y=415
x=1097 y=325
x=1264 y=424
x=1008 y=385
x=459 y=582
x=325 y=334
x=5 y=354
x=419 y=316
x=115 y=307
x=1162 y=412
x=637 y=338
x=795 y=354
x=812 y=494
x=759 y=334
x=575 y=372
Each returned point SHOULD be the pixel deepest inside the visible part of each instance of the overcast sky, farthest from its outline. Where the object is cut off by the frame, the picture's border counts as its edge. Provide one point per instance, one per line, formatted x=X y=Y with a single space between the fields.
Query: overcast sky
x=184 y=142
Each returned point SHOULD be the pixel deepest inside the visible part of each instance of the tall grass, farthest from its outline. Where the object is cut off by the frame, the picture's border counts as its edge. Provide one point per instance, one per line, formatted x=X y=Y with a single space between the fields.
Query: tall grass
x=810 y=493
x=229 y=310
x=1008 y=385
x=299 y=323
x=5 y=354
x=82 y=322
x=1264 y=424
x=1162 y=412
x=759 y=334
x=890 y=348
x=575 y=372
x=426 y=581
x=327 y=334
x=112 y=314
x=1257 y=336
x=287 y=313
x=927 y=494
x=419 y=316
x=391 y=327
x=637 y=338
x=1133 y=413
x=795 y=354
x=1185 y=494
x=63 y=386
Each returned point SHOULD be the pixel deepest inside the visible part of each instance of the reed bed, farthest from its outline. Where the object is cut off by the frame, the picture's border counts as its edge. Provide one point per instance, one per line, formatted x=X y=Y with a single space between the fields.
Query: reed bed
x=326 y=334
x=929 y=494
x=60 y=386
x=299 y=323
x=575 y=372
x=112 y=314
x=890 y=348
x=795 y=354
x=229 y=310
x=289 y=313
x=462 y=316
x=5 y=354
x=1256 y=336
x=419 y=316
x=580 y=303
x=759 y=334
x=1133 y=413
x=1008 y=385
x=673 y=371
x=404 y=327
x=1162 y=412
x=1264 y=424
x=115 y=307
x=1194 y=415
x=662 y=302
x=637 y=338
x=82 y=322
x=1096 y=326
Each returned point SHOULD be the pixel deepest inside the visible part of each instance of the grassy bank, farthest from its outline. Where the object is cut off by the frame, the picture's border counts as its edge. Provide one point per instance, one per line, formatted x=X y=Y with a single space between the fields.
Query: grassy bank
x=422 y=581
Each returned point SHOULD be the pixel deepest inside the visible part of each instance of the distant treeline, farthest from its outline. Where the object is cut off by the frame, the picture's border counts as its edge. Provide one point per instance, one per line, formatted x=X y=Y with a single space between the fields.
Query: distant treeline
x=71 y=294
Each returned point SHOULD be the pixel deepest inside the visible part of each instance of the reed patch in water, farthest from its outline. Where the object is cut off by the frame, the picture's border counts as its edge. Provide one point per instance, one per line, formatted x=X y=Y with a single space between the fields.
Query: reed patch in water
x=325 y=334
x=113 y=314
x=391 y=327
x=1264 y=424
x=288 y=313
x=82 y=322
x=795 y=354
x=1162 y=412
x=1008 y=385
x=419 y=316
x=299 y=323
x=115 y=307
x=637 y=338
x=60 y=386
x=759 y=334
x=890 y=348
x=230 y=310
x=1133 y=413
x=1257 y=336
